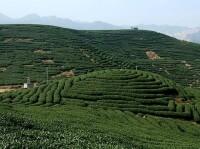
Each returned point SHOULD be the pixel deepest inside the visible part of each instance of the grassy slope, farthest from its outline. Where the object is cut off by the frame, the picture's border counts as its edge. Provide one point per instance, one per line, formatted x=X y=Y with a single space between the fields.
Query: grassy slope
x=92 y=50
x=72 y=126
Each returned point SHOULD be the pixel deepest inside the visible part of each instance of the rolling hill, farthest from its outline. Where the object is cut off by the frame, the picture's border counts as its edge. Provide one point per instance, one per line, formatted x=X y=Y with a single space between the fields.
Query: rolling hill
x=107 y=104
x=117 y=108
x=27 y=50
x=118 y=89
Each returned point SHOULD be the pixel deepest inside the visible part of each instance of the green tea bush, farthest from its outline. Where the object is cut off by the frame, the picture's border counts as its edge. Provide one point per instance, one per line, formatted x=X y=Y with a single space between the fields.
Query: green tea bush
x=26 y=97
x=180 y=108
x=57 y=93
x=197 y=105
x=50 y=93
x=171 y=105
x=43 y=95
x=34 y=98
x=195 y=114
x=188 y=109
x=21 y=95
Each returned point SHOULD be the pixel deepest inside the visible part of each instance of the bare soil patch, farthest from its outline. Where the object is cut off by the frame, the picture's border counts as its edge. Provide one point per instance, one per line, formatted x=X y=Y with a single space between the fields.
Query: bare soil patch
x=67 y=74
x=152 y=55
x=2 y=69
x=186 y=64
x=8 y=40
x=9 y=88
x=48 y=61
x=24 y=40
x=3 y=30
x=4 y=90
x=40 y=51
x=28 y=66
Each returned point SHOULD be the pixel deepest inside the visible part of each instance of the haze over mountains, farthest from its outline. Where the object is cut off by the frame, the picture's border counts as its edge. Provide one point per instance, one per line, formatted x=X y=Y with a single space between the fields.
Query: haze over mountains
x=179 y=32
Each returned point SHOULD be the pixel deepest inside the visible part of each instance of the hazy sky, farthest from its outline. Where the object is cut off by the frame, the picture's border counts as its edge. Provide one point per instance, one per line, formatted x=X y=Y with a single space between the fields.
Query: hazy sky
x=118 y=12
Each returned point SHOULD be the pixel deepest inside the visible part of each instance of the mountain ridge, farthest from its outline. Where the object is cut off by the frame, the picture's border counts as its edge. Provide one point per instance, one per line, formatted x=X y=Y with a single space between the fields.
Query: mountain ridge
x=179 y=32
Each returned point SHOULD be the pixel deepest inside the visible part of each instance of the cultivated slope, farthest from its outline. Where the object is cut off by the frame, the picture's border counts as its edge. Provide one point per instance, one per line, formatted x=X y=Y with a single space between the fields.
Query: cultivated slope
x=118 y=89
x=26 y=50
x=70 y=126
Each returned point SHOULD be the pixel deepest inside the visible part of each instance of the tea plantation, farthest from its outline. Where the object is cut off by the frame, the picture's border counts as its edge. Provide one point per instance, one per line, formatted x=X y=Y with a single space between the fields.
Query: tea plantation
x=27 y=50
x=107 y=104
x=116 y=89
x=75 y=126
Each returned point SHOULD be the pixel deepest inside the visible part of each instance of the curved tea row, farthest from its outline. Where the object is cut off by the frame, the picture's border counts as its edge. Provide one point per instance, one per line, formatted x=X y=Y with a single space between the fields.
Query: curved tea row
x=123 y=89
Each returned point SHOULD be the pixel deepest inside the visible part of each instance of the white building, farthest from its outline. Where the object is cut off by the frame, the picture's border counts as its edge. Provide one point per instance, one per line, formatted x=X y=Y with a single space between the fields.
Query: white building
x=29 y=84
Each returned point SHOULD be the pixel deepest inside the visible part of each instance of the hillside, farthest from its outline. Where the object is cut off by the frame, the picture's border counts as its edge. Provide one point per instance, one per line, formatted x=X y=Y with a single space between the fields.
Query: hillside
x=118 y=89
x=118 y=108
x=73 y=126
x=27 y=50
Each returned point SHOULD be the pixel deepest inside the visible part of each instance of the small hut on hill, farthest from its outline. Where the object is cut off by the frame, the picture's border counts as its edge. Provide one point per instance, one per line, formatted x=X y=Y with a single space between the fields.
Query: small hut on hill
x=28 y=84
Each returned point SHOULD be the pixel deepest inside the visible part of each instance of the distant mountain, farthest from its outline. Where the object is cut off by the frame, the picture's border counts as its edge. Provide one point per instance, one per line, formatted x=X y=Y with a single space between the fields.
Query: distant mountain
x=179 y=32
x=192 y=35
x=53 y=20
x=4 y=19
x=195 y=37
x=165 y=29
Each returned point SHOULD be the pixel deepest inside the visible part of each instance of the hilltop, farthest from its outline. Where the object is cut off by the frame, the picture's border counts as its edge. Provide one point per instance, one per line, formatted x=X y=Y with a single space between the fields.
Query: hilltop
x=85 y=51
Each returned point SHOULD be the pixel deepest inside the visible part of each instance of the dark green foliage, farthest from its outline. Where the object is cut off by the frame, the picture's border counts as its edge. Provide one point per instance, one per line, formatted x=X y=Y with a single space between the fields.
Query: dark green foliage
x=195 y=114
x=68 y=84
x=171 y=105
x=197 y=105
x=188 y=109
x=86 y=51
x=72 y=126
x=119 y=89
x=34 y=98
x=180 y=108
x=57 y=93
x=50 y=93
x=21 y=95
x=27 y=97
x=43 y=95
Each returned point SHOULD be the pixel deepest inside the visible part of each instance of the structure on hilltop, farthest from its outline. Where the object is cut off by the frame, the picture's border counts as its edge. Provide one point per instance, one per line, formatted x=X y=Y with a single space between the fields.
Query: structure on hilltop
x=134 y=27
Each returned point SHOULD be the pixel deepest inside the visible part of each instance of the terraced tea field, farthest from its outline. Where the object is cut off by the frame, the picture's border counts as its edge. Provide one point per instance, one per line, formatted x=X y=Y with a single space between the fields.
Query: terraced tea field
x=107 y=104
x=117 y=89
x=73 y=126
x=27 y=50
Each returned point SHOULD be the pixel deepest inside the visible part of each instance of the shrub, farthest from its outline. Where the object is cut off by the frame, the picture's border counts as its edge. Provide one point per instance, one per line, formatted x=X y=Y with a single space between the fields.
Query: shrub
x=57 y=93
x=50 y=94
x=195 y=114
x=27 y=96
x=42 y=97
x=35 y=97
x=68 y=84
x=188 y=109
x=179 y=108
x=171 y=105
x=197 y=105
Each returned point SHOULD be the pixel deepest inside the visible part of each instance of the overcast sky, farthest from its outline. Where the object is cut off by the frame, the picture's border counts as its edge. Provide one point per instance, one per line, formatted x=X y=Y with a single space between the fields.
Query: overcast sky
x=118 y=12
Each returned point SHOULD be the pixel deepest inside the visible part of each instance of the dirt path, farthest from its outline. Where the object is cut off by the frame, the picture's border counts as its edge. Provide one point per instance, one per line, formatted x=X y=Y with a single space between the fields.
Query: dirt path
x=4 y=90
x=9 y=88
